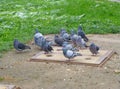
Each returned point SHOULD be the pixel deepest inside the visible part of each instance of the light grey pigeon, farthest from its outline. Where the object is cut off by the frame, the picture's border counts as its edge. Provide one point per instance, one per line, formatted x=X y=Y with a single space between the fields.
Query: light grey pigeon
x=37 y=34
x=58 y=40
x=65 y=43
x=66 y=36
x=82 y=34
x=69 y=53
x=69 y=46
x=20 y=46
x=74 y=38
x=37 y=37
x=93 y=49
x=80 y=42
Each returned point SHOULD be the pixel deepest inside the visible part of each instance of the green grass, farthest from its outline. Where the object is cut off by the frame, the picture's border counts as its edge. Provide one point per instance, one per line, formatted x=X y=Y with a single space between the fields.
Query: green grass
x=1 y=78
x=0 y=55
x=19 y=18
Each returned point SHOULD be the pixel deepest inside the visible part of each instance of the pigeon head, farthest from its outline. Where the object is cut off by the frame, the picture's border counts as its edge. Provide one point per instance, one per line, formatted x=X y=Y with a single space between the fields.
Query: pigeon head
x=79 y=28
x=36 y=30
x=72 y=32
x=16 y=40
x=92 y=44
x=56 y=36
x=62 y=30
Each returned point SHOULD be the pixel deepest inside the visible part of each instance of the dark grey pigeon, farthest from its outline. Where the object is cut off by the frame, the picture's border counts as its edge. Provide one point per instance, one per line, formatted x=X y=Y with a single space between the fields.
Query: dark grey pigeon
x=82 y=34
x=94 y=49
x=69 y=53
x=58 y=40
x=46 y=47
x=20 y=46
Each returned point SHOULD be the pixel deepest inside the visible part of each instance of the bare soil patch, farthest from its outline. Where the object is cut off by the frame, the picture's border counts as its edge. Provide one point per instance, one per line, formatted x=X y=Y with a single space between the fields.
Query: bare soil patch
x=15 y=69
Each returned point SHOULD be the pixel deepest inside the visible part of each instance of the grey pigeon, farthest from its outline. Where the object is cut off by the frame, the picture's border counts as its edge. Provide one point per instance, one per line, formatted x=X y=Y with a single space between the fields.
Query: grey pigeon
x=69 y=53
x=37 y=37
x=74 y=37
x=62 y=31
x=80 y=42
x=94 y=49
x=46 y=46
x=69 y=46
x=39 y=41
x=64 y=35
x=58 y=40
x=37 y=34
x=72 y=32
x=20 y=46
x=82 y=34
x=65 y=43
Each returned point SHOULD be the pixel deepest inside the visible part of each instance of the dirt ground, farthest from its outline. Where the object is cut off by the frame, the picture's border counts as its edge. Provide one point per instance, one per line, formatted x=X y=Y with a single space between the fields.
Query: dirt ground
x=15 y=69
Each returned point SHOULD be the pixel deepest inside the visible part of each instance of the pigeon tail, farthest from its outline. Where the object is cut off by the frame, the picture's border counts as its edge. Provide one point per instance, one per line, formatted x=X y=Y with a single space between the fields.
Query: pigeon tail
x=86 y=39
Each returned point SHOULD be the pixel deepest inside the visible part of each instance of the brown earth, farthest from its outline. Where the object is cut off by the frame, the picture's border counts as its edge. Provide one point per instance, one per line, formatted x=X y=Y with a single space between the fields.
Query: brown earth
x=15 y=69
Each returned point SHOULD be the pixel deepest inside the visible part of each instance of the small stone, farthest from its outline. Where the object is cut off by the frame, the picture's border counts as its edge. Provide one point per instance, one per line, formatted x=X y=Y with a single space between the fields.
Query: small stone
x=117 y=71
x=105 y=68
x=68 y=69
x=83 y=71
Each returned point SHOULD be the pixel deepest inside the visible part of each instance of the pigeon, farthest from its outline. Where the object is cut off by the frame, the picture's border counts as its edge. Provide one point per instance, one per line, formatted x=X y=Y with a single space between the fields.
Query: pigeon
x=64 y=35
x=46 y=47
x=69 y=53
x=41 y=42
x=38 y=41
x=72 y=32
x=69 y=46
x=82 y=34
x=65 y=43
x=58 y=40
x=38 y=34
x=80 y=42
x=20 y=46
x=94 y=49
x=74 y=38
x=37 y=37
x=62 y=31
